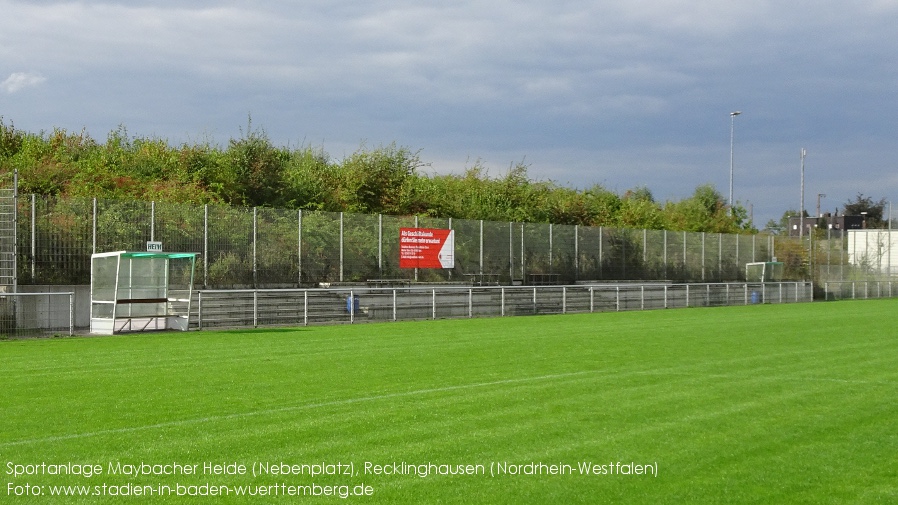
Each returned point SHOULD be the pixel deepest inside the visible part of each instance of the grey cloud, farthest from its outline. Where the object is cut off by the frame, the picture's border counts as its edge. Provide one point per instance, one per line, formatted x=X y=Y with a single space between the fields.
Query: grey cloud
x=17 y=81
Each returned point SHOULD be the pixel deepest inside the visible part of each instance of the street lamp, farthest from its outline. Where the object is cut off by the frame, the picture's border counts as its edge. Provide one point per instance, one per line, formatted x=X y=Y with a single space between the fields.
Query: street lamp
x=732 y=138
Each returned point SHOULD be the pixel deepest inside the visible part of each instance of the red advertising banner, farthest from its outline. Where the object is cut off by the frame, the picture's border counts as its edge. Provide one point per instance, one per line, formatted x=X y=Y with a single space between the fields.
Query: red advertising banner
x=426 y=248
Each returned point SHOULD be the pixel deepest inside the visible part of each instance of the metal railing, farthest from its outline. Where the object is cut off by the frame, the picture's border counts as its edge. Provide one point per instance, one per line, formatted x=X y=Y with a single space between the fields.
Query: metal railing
x=860 y=290
x=291 y=307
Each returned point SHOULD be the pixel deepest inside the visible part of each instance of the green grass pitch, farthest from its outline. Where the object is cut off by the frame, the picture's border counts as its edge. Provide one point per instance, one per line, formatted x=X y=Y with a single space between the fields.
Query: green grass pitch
x=757 y=404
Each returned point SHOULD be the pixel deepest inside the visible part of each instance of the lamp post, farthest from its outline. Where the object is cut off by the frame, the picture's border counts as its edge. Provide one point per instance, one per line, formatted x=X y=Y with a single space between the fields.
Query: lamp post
x=801 y=206
x=732 y=138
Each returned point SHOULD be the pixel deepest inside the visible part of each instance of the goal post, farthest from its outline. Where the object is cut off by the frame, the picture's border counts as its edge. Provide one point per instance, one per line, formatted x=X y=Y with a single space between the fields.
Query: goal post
x=764 y=271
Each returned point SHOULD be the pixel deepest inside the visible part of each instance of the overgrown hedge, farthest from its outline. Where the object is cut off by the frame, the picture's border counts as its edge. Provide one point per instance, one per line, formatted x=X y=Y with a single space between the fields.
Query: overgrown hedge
x=250 y=171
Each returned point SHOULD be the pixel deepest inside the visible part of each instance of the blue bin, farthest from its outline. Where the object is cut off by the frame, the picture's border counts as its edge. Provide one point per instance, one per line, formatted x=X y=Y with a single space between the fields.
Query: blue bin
x=755 y=297
x=352 y=304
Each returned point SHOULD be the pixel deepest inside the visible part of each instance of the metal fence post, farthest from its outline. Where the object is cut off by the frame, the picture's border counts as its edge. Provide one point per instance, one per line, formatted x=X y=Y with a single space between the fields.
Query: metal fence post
x=380 y=244
x=94 y=226
x=299 y=248
x=341 y=248
x=523 y=267
x=255 y=240
x=33 y=235
x=551 y=247
x=842 y=247
x=481 y=249
x=645 y=247
x=703 y=258
x=199 y=310
x=720 y=257
x=576 y=252
x=510 y=252
x=72 y=314
x=205 y=245
x=665 y=254
x=736 y=263
x=685 y=264
x=153 y=220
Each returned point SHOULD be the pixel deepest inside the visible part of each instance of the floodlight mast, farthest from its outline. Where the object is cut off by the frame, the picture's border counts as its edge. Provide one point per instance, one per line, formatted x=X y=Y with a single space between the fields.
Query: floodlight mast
x=804 y=153
x=732 y=139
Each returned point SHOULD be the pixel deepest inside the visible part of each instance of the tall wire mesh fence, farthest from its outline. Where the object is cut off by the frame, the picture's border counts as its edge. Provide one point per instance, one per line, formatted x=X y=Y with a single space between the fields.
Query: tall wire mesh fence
x=257 y=248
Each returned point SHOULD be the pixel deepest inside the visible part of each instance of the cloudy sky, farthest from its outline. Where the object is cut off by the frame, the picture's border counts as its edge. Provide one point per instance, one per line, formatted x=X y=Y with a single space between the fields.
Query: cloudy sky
x=622 y=94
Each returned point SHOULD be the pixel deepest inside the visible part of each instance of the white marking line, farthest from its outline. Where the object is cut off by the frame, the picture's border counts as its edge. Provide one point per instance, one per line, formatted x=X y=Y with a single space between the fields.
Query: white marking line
x=769 y=377
x=334 y=403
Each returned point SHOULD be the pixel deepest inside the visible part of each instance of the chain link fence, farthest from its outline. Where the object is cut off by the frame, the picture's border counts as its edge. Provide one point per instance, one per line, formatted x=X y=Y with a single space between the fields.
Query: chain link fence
x=258 y=248
x=276 y=248
x=261 y=249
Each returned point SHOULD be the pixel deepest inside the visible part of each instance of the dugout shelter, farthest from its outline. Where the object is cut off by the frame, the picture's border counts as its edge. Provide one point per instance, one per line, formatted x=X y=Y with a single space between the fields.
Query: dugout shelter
x=140 y=291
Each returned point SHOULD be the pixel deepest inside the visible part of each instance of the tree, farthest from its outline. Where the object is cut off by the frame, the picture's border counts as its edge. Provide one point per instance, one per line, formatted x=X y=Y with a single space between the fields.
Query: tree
x=373 y=181
x=639 y=210
x=11 y=140
x=256 y=169
x=782 y=226
x=705 y=211
x=864 y=204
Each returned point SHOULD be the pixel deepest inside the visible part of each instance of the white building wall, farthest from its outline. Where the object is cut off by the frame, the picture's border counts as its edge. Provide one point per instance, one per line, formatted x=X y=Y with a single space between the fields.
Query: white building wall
x=874 y=249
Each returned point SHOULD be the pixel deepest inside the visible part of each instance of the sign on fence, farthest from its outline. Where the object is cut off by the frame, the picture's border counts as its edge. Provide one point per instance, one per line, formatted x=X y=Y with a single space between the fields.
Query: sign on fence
x=154 y=246
x=426 y=248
